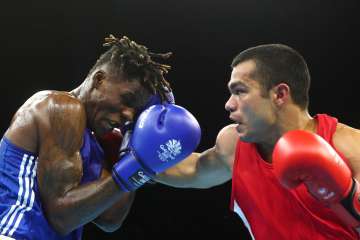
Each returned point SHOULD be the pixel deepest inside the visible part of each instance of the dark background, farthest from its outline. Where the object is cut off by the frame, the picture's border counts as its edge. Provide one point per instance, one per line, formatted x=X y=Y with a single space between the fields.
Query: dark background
x=52 y=45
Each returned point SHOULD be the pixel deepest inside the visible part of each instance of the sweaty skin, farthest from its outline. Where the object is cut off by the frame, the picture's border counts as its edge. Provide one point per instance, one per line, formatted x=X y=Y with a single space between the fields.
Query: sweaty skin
x=258 y=119
x=52 y=124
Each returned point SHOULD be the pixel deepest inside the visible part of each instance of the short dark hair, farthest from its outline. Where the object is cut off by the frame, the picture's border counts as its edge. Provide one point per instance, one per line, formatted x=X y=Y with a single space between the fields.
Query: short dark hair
x=277 y=63
x=135 y=61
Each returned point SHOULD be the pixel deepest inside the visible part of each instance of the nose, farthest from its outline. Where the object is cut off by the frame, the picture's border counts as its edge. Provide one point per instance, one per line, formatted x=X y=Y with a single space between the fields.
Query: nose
x=230 y=105
x=128 y=114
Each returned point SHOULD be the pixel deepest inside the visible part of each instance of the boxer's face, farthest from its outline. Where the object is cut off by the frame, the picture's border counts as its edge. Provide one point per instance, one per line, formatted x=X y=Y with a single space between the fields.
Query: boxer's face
x=247 y=105
x=113 y=102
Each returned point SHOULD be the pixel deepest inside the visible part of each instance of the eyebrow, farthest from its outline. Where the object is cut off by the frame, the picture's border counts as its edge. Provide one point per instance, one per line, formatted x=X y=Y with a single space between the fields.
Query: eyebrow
x=235 y=84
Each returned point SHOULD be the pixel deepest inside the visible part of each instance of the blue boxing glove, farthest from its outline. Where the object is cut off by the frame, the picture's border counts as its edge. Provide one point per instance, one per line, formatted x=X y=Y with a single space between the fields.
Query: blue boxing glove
x=153 y=100
x=163 y=135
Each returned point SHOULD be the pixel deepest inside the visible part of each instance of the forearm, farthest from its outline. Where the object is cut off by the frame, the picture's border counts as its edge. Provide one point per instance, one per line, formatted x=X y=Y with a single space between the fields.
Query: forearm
x=182 y=175
x=197 y=171
x=82 y=204
x=192 y=181
x=177 y=179
x=113 y=218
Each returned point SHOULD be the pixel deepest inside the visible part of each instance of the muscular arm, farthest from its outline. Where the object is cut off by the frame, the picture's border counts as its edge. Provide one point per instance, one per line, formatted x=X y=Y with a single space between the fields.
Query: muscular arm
x=112 y=218
x=207 y=169
x=347 y=141
x=67 y=204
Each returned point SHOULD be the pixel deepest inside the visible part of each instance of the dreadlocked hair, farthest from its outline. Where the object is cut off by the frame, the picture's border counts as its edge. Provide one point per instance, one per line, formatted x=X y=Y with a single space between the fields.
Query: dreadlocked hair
x=136 y=61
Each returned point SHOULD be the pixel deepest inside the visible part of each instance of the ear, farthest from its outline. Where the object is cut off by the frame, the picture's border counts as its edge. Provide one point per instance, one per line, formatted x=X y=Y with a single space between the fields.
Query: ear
x=281 y=94
x=98 y=78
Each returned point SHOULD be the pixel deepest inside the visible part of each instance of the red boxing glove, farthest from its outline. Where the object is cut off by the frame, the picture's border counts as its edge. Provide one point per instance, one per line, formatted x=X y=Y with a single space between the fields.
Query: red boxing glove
x=110 y=143
x=304 y=157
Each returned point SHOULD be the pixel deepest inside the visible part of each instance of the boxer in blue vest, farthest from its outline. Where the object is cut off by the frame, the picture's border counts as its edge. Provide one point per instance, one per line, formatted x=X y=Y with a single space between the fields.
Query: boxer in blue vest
x=53 y=174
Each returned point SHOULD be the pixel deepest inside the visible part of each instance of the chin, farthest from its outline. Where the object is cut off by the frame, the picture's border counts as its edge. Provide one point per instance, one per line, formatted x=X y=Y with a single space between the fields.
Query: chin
x=101 y=129
x=103 y=132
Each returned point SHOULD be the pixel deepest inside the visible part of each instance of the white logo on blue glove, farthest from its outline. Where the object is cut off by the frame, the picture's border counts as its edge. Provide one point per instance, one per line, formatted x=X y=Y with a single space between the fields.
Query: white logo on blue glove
x=169 y=150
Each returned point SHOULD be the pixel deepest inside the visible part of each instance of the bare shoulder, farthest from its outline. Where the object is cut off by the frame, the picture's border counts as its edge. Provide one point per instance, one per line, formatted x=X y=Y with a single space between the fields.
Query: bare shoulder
x=226 y=139
x=347 y=140
x=346 y=137
x=40 y=113
x=226 y=142
x=61 y=121
x=61 y=117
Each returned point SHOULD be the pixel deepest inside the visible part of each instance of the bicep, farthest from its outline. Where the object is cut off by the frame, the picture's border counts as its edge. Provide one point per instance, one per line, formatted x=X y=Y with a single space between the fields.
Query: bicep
x=58 y=172
x=213 y=167
x=61 y=123
x=215 y=164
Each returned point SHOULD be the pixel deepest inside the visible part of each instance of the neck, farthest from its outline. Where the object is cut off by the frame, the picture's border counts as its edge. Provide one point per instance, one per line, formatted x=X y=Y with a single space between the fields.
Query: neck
x=288 y=119
x=295 y=118
x=79 y=92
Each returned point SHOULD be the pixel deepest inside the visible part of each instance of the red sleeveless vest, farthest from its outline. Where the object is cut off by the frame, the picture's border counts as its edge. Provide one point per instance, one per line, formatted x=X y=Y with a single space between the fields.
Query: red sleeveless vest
x=270 y=211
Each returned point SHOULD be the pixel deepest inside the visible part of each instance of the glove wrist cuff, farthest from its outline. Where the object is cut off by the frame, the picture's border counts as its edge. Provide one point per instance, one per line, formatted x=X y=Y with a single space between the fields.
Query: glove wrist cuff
x=128 y=173
x=351 y=202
